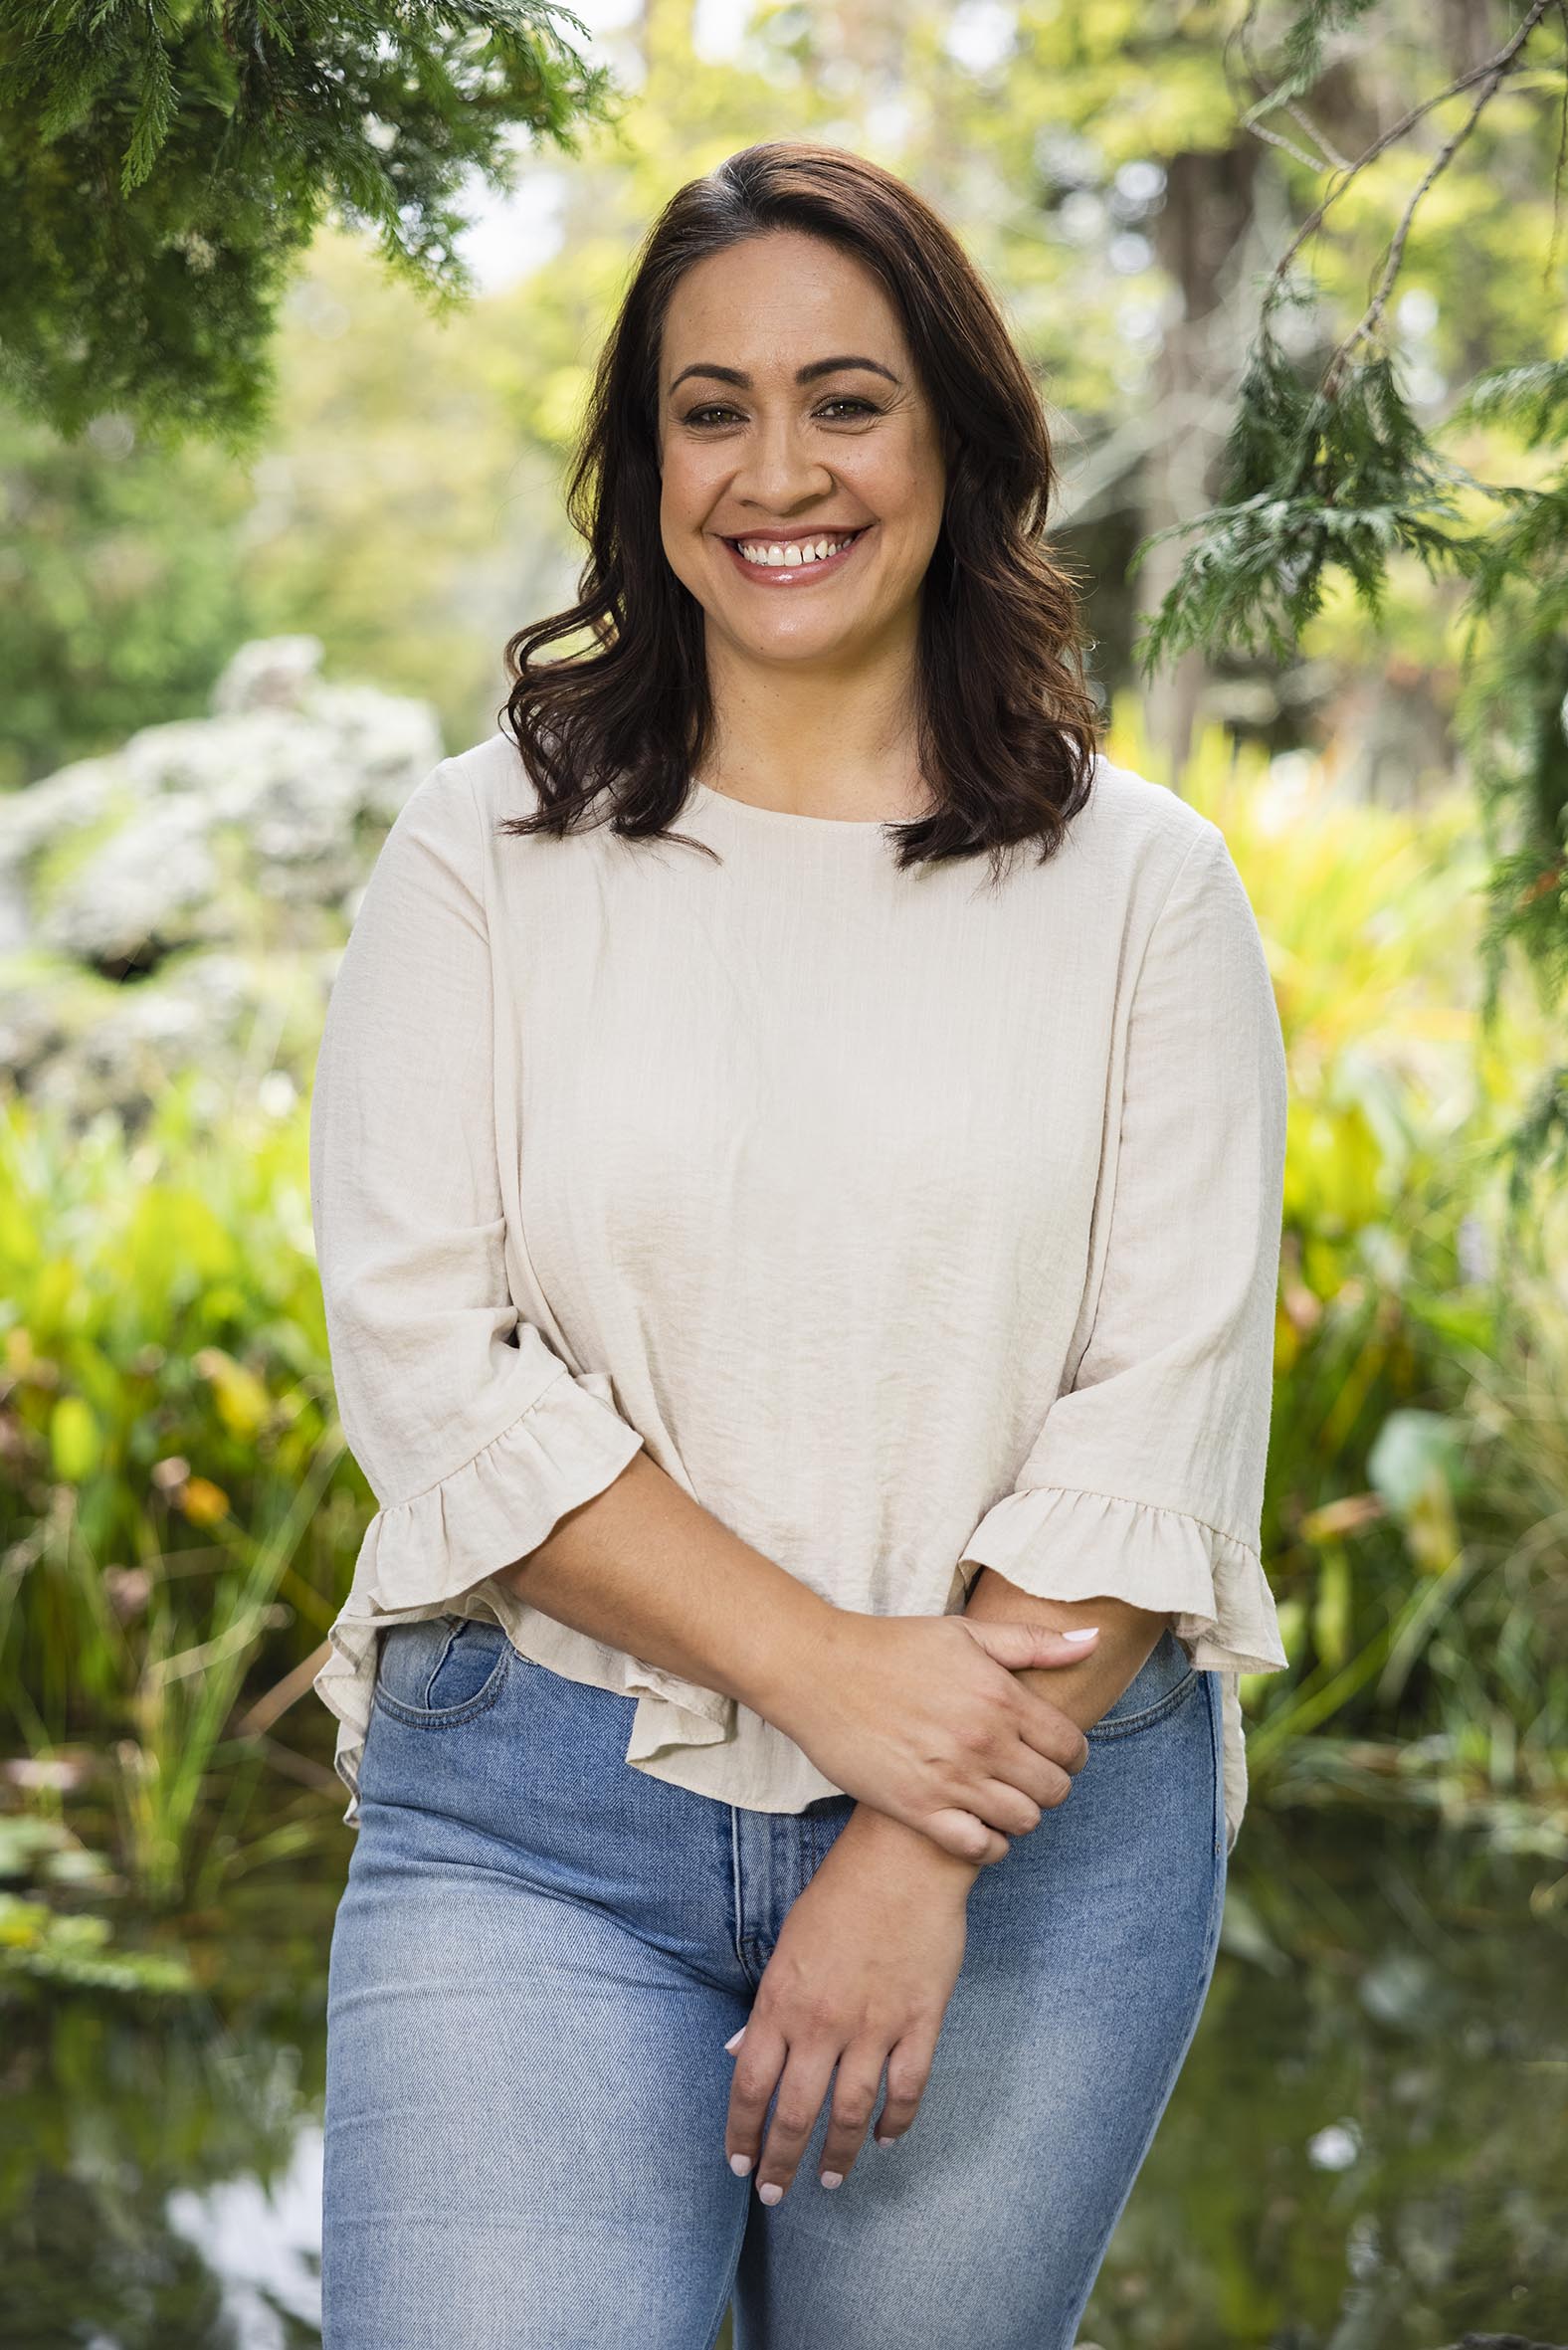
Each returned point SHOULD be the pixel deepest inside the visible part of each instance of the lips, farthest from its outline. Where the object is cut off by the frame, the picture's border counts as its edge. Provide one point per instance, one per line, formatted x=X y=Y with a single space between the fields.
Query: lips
x=796 y=574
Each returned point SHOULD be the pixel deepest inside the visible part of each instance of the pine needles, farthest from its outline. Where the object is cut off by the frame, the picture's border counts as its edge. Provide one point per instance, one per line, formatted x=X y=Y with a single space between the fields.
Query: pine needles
x=165 y=164
x=1314 y=480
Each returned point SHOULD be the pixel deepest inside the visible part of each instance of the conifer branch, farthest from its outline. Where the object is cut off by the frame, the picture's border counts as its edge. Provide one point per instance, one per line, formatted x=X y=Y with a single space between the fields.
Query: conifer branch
x=1490 y=77
x=1492 y=73
x=165 y=164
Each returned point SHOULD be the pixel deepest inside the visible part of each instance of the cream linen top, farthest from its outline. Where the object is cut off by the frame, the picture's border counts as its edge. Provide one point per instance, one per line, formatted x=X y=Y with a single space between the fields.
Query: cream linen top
x=912 y=1226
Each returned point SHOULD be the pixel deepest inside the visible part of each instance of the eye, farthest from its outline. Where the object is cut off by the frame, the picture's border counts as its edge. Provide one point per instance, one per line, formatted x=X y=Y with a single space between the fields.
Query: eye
x=696 y=416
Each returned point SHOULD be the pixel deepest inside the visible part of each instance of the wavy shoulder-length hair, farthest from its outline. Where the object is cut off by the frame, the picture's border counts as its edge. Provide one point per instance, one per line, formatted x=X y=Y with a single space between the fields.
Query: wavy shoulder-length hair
x=1006 y=725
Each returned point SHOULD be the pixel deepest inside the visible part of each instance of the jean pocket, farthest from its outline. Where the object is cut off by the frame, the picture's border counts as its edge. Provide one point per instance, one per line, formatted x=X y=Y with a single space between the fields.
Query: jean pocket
x=1165 y=1679
x=441 y=1670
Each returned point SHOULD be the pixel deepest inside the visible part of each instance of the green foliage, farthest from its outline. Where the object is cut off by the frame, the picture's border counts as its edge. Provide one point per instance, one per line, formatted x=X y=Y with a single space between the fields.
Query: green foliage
x=163 y=168
x=1514 y=715
x=1420 y=1435
x=73 y=1952
x=1317 y=481
x=68 y=1949
x=1533 y=400
x=174 y=1509
x=1336 y=474
x=129 y=590
x=1305 y=47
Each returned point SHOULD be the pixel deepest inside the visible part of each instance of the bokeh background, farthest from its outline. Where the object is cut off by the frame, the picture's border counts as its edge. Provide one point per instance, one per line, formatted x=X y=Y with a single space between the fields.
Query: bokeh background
x=277 y=483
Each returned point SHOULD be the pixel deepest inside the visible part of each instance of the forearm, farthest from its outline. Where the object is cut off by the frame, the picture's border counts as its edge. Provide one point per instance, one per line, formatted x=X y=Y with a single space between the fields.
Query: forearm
x=645 y=1568
x=1082 y=1691
x=1089 y=1687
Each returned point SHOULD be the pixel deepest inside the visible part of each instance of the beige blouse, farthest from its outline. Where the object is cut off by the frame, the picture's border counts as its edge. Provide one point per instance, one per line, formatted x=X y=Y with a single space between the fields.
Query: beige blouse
x=915 y=1225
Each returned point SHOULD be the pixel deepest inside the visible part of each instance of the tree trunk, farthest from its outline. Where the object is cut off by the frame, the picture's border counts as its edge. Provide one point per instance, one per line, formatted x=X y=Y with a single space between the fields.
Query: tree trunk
x=1205 y=218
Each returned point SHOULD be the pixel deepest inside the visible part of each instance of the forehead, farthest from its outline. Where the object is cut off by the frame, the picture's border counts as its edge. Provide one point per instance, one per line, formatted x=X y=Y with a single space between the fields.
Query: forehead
x=770 y=303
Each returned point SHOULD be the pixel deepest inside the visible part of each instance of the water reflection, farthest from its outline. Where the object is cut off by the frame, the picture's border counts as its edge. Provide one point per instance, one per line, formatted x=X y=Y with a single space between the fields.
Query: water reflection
x=264 y=2246
x=1368 y=2149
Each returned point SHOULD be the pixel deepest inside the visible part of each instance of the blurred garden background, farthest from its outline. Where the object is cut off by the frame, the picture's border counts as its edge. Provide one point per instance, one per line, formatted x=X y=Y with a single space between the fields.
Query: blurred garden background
x=291 y=364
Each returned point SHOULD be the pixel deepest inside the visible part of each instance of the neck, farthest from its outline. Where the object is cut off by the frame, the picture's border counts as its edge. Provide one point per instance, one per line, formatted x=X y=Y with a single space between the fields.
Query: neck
x=818 y=738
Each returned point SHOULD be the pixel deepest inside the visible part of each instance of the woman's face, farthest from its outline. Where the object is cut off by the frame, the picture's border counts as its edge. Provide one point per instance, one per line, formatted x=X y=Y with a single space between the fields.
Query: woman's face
x=790 y=414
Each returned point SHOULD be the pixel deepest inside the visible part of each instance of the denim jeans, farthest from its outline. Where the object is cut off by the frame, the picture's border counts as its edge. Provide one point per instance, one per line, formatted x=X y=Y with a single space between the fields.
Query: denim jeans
x=540 y=1953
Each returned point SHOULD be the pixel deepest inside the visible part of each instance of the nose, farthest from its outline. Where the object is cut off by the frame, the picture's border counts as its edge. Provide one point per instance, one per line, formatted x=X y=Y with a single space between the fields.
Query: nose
x=778 y=471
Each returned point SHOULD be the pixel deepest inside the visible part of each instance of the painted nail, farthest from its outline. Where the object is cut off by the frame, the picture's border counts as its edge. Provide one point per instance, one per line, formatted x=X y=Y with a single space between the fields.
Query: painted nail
x=1085 y=1632
x=771 y=2192
x=740 y=2163
x=833 y=2178
x=734 y=2044
x=875 y=2141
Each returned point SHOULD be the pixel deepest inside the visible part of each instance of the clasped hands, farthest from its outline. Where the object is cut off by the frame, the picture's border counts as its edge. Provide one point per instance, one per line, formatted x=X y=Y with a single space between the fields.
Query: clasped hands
x=925 y=1721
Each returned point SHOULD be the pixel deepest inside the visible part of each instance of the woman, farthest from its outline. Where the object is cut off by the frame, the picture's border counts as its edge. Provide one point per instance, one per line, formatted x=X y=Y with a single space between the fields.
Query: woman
x=805 y=1309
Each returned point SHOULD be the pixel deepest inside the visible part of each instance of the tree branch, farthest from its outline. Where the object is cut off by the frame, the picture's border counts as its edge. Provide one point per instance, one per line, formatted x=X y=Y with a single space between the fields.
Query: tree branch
x=1490 y=74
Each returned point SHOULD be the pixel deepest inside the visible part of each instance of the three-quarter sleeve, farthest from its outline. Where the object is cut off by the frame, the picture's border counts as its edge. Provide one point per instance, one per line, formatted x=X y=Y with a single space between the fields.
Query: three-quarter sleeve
x=472 y=1433
x=1145 y=1481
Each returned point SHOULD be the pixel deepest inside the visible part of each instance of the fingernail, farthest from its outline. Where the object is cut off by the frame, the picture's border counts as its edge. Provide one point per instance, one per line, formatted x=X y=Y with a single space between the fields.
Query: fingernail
x=875 y=2141
x=734 y=2044
x=833 y=2178
x=740 y=2163
x=771 y=2192
x=1087 y=1632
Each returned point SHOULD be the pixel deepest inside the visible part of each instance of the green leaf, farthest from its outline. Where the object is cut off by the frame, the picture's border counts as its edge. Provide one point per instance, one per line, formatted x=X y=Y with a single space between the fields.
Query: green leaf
x=75 y=1444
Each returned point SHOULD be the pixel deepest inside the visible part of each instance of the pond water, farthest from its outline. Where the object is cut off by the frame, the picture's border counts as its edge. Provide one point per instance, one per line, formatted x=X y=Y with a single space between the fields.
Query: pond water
x=1368 y=2150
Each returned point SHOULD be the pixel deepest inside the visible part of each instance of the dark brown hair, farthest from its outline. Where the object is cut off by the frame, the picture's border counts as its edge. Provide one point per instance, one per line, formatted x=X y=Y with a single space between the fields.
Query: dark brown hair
x=1005 y=725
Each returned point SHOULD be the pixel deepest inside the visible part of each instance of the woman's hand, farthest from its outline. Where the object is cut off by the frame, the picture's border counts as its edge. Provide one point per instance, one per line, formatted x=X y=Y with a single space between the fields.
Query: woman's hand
x=859 y=1977
x=924 y=1718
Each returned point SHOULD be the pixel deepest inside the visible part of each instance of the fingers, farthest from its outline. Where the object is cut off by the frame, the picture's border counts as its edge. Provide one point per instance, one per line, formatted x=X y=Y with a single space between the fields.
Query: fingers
x=806 y=2072
x=1051 y=1733
x=854 y=2087
x=802 y=2084
x=908 y=2071
x=1031 y=1777
x=758 y=2068
x=1003 y=1806
x=963 y=1835
x=1023 y=1647
x=1006 y=1809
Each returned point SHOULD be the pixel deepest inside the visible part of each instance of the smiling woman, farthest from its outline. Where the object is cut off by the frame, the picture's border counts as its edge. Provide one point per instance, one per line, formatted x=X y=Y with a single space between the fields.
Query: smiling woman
x=844 y=449
x=804 y=354
x=808 y=1326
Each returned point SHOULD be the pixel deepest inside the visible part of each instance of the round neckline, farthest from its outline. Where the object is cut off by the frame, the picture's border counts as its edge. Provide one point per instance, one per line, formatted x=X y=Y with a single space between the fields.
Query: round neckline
x=787 y=816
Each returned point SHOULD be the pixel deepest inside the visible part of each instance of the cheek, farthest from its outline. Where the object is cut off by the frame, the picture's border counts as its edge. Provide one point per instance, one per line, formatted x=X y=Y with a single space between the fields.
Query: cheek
x=682 y=509
x=681 y=489
x=900 y=484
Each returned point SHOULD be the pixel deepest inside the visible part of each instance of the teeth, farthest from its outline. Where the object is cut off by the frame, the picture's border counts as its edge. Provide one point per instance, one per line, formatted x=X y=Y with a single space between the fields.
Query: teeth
x=793 y=551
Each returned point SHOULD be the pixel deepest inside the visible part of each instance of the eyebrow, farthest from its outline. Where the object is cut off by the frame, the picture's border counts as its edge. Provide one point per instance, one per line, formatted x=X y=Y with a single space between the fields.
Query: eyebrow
x=807 y=374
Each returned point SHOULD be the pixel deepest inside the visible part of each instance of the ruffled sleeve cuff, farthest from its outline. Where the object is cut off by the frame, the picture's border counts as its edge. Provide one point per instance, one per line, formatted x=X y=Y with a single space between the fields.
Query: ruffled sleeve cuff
x=1061 y=1542
x=566 y=1446
x=419 y=1555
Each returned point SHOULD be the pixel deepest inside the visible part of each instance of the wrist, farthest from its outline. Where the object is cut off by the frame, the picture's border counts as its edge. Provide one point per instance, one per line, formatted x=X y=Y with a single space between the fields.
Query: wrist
x=877 y=1834
x=789 y=1660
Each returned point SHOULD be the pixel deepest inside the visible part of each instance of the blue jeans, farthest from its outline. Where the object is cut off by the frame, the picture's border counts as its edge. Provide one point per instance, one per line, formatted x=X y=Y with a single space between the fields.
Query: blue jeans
x=540 y=1953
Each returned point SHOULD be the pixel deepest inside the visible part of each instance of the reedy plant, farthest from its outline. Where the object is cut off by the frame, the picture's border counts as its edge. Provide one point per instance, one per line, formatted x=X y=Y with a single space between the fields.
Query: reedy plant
x=167 y=1417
